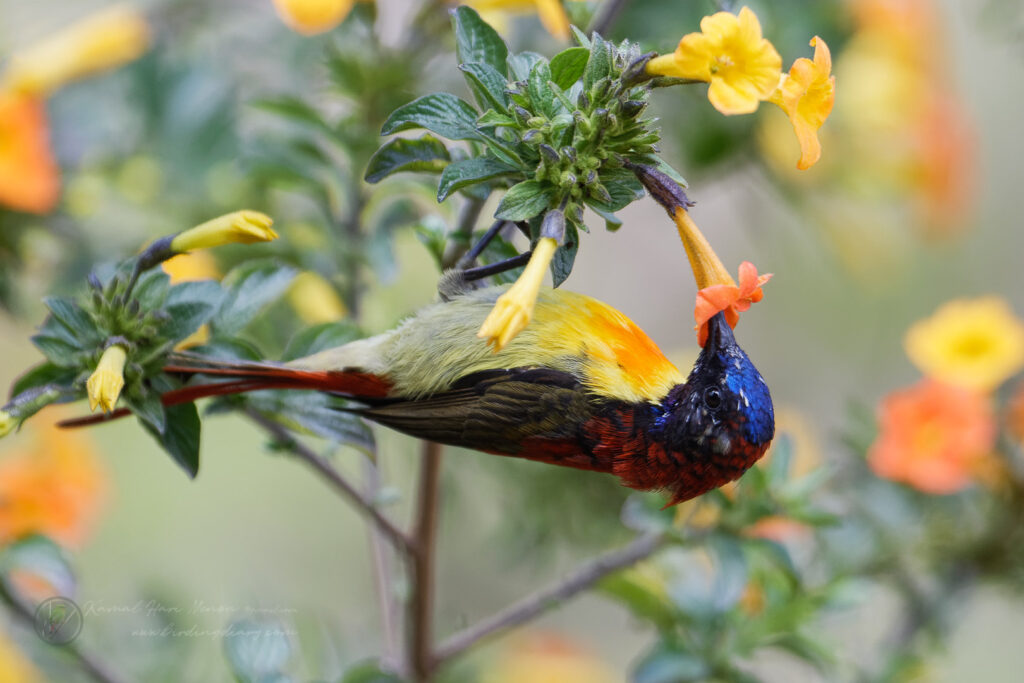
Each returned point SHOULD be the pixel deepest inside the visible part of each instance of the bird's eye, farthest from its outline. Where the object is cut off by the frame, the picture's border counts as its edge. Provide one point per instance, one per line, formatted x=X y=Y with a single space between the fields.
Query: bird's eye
x=712 y=398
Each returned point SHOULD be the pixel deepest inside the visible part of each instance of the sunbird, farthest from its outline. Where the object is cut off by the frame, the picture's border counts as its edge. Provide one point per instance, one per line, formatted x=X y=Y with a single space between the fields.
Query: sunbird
x=581 y=386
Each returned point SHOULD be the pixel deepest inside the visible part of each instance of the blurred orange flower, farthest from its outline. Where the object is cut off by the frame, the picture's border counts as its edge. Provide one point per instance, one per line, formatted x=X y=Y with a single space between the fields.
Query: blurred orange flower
x=29 y=177
x=731 y=299
x=973 y=343
x=55 y=488
x=730 y=53
x=1015 y=413
x=807 y=94
x=546 y=658
x=933 y=436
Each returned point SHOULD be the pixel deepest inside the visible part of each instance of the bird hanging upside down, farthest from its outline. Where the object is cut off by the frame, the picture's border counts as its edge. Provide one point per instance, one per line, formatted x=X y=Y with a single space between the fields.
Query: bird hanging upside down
x=582 y=386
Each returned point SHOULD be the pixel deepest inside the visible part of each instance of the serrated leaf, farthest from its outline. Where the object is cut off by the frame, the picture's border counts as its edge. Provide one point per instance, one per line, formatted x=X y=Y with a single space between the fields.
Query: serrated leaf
x=258 y=650
x=71 y=315
x=180 y=437
x=565 y=256
x=540 y=92
x=41 y=375
x=319 y=337
x=487 y=84
x=494 y=118
x=477 y=41
x=520 y=65
x=440 y=113
x=524 y=200
x=250 y=287
x=568 y=65
x=599 y=63
x=469 y=172
x=424 y=154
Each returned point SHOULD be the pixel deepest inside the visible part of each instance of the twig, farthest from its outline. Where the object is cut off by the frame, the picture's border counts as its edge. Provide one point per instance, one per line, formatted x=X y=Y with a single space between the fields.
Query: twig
x=606 y=16
x=381 y=561
x=334 y=478
x=96 y=669
x=421 y=566
x=533 y=605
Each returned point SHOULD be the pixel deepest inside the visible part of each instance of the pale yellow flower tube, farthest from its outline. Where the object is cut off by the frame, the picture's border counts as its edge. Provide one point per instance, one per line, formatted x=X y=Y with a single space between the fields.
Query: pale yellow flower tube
x=240 y=227
x=102 y=41
x=106 y=382
x=514 y=309
x=708 y=269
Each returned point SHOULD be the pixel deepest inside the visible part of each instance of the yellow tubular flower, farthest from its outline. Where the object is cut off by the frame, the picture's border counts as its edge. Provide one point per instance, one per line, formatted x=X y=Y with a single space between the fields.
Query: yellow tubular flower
x=105 y=40
x=806 y=94
x=707 y=268
x=310 y=17
x=7 y=423
x=240 y=227
x=730 y=53
x=971 y=343
x=513 y=309
x=105 y=383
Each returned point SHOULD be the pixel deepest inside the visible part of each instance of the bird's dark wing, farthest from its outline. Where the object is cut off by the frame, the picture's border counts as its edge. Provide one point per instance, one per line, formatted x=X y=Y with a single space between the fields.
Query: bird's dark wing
x=525 y=412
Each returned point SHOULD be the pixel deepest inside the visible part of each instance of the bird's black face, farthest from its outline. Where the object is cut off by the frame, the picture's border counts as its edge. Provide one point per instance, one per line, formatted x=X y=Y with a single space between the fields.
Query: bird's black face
x=722 y=420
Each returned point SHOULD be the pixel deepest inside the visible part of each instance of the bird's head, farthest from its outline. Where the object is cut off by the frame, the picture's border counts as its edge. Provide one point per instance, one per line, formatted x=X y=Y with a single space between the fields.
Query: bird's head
x=721 y=421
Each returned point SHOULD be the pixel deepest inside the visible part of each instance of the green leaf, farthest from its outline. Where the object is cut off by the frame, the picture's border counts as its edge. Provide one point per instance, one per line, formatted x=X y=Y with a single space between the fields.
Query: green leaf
x=611 y=221
x=476 y=41
x=185 y=318
x=599 y=63
x=623 y=187
x=520 y=65
x=41 y=558
x=440 y=113
x=57 y=351
x=664 y=167
x=294 y=110
x=524 y=201
x=568 y=65
x=71 y=315
x=369 y=672
x=426 y=154
x=494 y=118
x=149 y=409
x=151 y=289
x=643 y=602
x=319 y=337
x=540 y=92
x=565 y=257
x=41 y=375
x=180 y=438
x=258 y=650
x=580 y=37
x=469 y=172
x=250 y=287
x=488 y=85
x=671 y=667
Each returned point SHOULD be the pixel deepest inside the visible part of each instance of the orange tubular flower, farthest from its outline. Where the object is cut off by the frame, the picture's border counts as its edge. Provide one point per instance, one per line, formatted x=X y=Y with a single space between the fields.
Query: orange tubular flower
x=29 y=177
x=935 y=437
x=807 y=94
x=730 y=53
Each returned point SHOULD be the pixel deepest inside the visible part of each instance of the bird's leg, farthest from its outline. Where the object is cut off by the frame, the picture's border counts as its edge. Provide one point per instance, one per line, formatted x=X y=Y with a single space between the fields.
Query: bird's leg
x=498 y=267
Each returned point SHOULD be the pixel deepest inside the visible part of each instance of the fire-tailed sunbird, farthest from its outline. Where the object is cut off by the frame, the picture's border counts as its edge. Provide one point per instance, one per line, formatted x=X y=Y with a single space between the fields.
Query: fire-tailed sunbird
x=582 y=386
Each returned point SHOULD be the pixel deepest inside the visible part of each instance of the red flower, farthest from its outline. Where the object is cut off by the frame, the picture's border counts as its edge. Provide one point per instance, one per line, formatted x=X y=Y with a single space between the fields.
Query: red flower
x=730 y=298
x=935 y=437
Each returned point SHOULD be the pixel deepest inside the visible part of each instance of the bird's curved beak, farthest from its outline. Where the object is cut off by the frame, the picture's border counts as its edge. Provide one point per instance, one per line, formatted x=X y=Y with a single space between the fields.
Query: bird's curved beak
x=720 y=334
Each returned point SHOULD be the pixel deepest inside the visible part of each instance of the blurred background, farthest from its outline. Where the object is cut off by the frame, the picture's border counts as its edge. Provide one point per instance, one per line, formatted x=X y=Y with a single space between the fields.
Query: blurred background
x=913 y=204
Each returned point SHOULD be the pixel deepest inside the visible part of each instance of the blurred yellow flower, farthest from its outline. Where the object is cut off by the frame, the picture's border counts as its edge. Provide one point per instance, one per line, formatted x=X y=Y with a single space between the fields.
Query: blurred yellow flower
x=807 y=94
x=7 y=423
x=546 y=658
x=29 y=177
x=55 y=488
x=102 y=41
x=730 y=53
x=14 y=666
x=196 y=265
x=513 y=309
x=550 y=12
x=973 y=343
x=240 y=227
x=310 y=17
x=107 y=380
x=315 y=300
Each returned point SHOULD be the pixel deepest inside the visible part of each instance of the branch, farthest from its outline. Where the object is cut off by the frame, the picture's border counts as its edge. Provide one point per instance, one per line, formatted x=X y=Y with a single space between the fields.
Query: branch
x=382 y=570
x=96 y=669
x=334 y=478
x=421 y=567
x=543 y=600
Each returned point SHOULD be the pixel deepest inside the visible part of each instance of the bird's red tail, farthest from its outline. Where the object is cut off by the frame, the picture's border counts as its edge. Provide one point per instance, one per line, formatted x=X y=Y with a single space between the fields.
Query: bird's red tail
x=241 y=377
